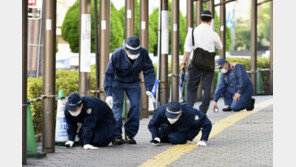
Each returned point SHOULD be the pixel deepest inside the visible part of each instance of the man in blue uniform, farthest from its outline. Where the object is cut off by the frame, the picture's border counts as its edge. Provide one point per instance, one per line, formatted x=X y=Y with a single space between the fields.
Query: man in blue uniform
x=122 y=75
x=179 y=123
x=98 y=123
x=235 y=86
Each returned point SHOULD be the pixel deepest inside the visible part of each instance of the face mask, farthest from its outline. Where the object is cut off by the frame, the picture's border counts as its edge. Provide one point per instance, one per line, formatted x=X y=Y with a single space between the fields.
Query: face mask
x=224 y=71
x=172 y=121
x=75 y=114
x=133 y=57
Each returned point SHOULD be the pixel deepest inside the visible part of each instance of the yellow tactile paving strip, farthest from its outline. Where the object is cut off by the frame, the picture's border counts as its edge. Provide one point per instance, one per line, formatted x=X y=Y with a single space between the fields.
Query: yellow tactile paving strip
x=174 y=153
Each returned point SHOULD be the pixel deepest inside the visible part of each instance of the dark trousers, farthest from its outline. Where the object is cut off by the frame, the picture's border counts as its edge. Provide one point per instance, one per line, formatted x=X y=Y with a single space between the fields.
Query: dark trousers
x=177 y=137
x=103 y=134
x=243 y=103
x=194 y=76
x=133 y=92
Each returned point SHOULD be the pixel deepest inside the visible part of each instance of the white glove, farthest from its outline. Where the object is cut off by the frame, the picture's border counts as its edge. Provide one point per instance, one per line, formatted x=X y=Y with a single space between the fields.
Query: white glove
x=189 y=142
x=155 y=141
x=151 y=96
x=88 y=146
x=109 y=101
x=69 y=143
x=201 y=143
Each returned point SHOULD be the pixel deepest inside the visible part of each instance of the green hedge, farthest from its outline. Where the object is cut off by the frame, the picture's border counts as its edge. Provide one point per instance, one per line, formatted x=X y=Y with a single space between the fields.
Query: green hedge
x=65 y=80
x=68 y=82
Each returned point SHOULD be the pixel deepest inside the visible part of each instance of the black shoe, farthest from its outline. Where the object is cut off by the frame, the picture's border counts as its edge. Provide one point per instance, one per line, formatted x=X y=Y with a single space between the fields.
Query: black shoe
x=252 y=105
x=227 y=109
x=118 y=141
x=130 y=140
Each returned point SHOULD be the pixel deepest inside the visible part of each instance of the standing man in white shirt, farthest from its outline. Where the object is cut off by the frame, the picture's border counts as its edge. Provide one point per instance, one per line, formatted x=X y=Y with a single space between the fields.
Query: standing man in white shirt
x=202 y=42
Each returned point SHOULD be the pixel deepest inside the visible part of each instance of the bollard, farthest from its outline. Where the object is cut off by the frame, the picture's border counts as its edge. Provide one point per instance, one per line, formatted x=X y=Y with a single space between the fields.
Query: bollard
x=218 y=77
x=31 y=142
x=61 y=135
x=260 y=89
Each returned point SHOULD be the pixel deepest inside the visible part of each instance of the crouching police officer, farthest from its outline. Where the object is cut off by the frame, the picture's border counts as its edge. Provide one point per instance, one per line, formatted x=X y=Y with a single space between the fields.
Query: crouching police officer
x=122 y=75
x=235 y=86
x=179 y=123
x=98 y=123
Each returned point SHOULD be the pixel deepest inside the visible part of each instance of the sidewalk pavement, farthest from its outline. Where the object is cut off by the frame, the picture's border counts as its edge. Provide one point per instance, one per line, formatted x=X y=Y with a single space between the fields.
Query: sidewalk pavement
x=246 y=143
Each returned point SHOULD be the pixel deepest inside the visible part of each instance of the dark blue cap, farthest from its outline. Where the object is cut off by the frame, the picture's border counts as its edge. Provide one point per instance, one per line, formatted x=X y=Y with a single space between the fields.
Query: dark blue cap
x=173 y=110
x=221 y=62
x=73 y=101
x=133 y=45
x=206 y=13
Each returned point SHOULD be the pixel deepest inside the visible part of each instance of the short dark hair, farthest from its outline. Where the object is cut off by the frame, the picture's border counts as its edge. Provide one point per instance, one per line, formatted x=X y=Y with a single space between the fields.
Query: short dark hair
x=206 y=18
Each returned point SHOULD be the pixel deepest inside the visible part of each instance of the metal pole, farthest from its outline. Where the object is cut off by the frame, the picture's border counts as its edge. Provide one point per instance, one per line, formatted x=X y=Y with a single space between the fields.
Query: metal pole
x=129 y=18
x=254 y=44
x=199 y=8
x=49 y=77
x=97 y=56
x=24 y=78
x=158 y=53
x=189 y=14
x=84 y=47
x=164 y=52
x=211 y=6
x=144 y=37
x=223 y=28
x=271 y=50
x=104 y=41
x=129 y=31
x=175 y=50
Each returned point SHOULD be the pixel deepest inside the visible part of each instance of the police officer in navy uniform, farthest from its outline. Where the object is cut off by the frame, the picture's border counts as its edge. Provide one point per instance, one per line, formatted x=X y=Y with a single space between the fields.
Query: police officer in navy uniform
x=122 y=75
x=98 y=123
x=178 y=124
x=235 y=86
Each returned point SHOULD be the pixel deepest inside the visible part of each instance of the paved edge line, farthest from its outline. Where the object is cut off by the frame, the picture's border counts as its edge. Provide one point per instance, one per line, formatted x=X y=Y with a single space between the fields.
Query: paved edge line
x=174 y=153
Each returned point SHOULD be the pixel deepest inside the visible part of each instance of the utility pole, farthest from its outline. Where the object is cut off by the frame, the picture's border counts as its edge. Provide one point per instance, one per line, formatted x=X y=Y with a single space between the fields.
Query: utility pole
x=49 y=77
x=144 y=37
x=175 y=50
x=199 y=9
x=164 y=52
x=223 y=27
x=104 y=41
x=24 y=78
x=254 y=44
x=271 y=50
x=84 y=47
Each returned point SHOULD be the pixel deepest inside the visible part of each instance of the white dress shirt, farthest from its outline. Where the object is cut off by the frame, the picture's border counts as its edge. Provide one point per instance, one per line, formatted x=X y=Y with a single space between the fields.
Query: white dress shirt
x=204 y=37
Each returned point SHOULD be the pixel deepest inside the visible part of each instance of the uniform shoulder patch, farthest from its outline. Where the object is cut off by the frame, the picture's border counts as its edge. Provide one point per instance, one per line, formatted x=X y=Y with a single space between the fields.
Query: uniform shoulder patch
x=89 y=111
x=196 y=117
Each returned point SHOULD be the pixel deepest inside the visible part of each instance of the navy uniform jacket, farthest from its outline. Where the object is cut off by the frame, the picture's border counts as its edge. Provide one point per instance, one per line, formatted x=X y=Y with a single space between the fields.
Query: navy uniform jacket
x=121 y=69
x=94 y=112
x=237 y=78
x=190 y=122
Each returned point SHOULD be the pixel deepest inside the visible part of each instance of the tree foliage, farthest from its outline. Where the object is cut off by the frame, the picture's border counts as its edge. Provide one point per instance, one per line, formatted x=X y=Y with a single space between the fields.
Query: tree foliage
x=243 y=30
x=70 y=27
